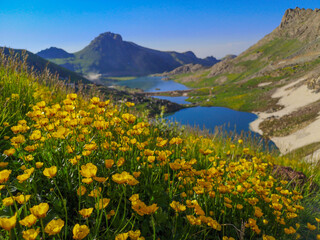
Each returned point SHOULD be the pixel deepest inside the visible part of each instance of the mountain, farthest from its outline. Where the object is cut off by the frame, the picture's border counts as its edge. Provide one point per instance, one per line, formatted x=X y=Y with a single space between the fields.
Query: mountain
x=192 y=68
x=278 y=77
x=109 y=55
x=184 y=69
x=39 y=64
x=54 y=52
x=292 y=49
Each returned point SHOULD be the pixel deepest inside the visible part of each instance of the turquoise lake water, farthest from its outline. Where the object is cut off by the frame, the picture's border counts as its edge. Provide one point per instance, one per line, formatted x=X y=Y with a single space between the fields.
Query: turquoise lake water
x=211 y=117
x=203 y=117
x=152 y=84
x=179 y=100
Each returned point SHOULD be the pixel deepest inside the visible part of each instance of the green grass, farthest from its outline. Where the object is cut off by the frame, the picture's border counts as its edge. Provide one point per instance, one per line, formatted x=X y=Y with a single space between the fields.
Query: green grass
x=247 y=96
x=304 y=151
x=208 y=175
x=39 y=64
x=277 y=48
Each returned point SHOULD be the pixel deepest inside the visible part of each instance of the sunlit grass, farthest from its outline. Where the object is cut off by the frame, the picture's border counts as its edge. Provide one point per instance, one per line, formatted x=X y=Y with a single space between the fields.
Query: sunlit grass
x=77 y=168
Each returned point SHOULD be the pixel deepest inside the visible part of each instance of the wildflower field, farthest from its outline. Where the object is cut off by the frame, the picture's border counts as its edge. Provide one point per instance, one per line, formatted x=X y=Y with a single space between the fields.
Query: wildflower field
x=75 y=166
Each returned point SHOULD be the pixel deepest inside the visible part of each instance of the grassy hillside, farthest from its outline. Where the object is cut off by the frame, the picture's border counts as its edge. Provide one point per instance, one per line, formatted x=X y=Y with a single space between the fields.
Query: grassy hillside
x=39 y=64
x=238 y=87
x=81 y=167
x=289 y=52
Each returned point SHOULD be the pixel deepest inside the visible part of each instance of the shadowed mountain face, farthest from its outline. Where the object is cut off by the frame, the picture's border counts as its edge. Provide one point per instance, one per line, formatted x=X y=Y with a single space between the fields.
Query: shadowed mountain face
x=54 y=52
x=109 y=55
x=39 y=64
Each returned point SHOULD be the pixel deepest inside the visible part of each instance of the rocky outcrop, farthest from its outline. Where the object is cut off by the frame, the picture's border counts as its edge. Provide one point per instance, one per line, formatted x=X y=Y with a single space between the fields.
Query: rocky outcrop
x=229 y=56
x=299 y=29
x=314 y=83
x=188 y=68
x=287 y=173
x=299 y=23
x=225 y=66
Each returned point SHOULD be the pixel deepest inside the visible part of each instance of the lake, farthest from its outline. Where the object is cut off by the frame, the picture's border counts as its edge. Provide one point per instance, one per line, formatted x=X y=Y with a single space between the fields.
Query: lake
x=179 y=100
x=203 y=117
x=152 y=84
x=211 y=117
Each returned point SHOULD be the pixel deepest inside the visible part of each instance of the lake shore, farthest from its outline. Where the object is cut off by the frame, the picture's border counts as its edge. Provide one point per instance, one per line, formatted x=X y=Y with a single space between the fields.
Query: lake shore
x=292 y=97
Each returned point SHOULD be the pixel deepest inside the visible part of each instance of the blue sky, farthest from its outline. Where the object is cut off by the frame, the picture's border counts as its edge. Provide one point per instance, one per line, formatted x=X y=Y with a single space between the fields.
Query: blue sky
x=206 y=27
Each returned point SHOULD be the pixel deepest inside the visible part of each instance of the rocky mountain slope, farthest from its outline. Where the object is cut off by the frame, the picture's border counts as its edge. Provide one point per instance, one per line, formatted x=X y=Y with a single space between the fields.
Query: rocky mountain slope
x=109 y=55
x=277 y=77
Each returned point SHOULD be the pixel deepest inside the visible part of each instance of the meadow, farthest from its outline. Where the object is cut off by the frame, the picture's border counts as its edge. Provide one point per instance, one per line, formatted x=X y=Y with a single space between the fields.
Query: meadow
x=74 y=165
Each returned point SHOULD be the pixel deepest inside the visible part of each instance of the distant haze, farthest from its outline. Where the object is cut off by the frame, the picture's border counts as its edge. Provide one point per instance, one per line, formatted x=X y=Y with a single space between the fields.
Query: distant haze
x=206 y=27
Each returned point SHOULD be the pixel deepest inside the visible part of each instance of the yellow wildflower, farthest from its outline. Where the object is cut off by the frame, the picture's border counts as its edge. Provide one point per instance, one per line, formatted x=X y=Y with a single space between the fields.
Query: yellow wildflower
x=103 y=203
x=39 y=164
x=130 y=104
x=178 y=207
x=108 y=163
x=8 y=223
x=40 y=210
x=81 y=190
x=266 y=237
x=72 y=96
x=311 y=227
x=54 y=227
x=95 y=100
x=50 y=172
x=28 y=221
x=89 y=170
x=80 y=231
x=4 y=175
x=122 y=236
x=3 y=164
x=289 y=230
x=86 y=212
x=21 y=199
x=9 y=152
x=87 y=180
x=134 y=235
x=8 y=201
x=30 y=234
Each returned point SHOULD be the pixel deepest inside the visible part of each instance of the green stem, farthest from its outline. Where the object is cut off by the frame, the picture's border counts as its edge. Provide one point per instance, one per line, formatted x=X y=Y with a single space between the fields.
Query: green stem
x=64 y=206
x=153 y=227
x=175 y=225
x=125 y=203
x=14 y=202
x=42 y=228
x=80 y=192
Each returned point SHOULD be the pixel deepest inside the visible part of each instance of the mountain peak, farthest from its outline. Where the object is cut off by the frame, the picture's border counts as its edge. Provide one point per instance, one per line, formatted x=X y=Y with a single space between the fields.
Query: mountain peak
x=299 y=23
x=109 y=36
x=109 y=55
x=54 y=52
